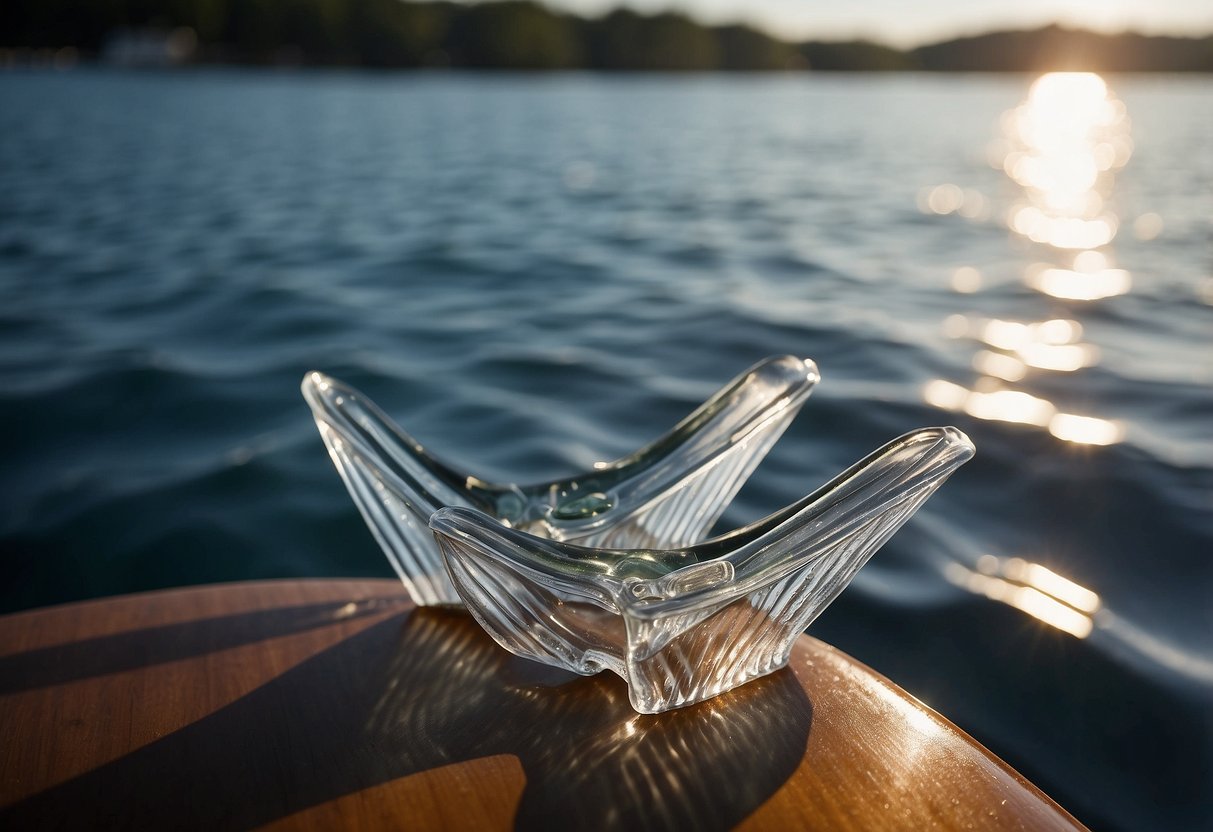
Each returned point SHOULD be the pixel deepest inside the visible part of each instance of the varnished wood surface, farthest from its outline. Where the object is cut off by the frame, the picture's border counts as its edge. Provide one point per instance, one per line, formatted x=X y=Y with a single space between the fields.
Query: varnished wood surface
x=322 y=704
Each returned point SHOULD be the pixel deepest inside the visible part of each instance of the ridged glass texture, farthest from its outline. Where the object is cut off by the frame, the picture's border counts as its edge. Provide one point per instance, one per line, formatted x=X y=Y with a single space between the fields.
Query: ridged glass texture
x=684 y=624
x=665 y=495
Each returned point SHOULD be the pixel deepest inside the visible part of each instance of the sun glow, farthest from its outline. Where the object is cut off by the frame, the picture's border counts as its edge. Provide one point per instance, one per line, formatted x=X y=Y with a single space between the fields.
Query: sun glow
x=1065 y=141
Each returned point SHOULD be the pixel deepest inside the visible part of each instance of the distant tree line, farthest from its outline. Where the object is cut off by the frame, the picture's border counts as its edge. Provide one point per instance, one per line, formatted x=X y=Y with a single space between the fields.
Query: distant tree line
x=1057 y=48
x=524 y=35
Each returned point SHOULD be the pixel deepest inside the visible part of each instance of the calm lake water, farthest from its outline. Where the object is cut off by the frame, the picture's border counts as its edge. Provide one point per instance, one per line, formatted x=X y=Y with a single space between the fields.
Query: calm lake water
x=534 y=273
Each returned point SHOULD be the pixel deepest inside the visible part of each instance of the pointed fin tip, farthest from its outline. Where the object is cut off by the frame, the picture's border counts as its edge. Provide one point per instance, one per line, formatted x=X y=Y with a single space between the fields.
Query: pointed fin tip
x=315 y=384
x=944 y=445
x=793 y=368
x=957 y=440
x=327 y=395
x=811 y=372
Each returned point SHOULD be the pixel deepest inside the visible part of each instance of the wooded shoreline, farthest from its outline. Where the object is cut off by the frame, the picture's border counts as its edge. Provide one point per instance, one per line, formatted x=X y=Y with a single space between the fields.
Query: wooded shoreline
x=525 y=35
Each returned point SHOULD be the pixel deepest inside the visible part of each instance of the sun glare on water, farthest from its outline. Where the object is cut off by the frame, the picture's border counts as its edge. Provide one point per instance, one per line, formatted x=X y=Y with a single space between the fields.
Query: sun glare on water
x=1062 y=146
x=1066 y=139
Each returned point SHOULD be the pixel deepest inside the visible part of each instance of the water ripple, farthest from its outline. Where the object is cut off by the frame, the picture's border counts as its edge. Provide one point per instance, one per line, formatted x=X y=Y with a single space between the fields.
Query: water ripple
x=535 y=276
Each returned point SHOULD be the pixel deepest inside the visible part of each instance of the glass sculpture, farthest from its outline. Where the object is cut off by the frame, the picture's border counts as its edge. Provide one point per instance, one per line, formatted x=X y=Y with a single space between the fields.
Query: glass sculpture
x=666 y=495
x=682 y=624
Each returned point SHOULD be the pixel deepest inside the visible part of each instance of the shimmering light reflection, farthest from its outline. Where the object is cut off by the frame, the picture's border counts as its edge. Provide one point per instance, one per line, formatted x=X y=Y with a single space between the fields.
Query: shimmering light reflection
x=1017 y=336
x=1065 y=358
x=1011 y=335
x=1091 y=278
x=1046 y=345
x=945 y=395
x=966 y=280
x=1022 y=408
x=1044 y=579
x=1071 y=285
x=1062 y=232
x=999 y=405
x=1031 y=588
x=1072 y=608
x=1062 y=146
x=999 y=365
x=1005 y=335
x=1010 y=406
x=1085 y=430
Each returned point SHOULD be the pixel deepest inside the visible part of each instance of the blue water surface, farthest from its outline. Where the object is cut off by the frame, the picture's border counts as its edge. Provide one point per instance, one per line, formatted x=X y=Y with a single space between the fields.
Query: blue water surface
x=532 y=273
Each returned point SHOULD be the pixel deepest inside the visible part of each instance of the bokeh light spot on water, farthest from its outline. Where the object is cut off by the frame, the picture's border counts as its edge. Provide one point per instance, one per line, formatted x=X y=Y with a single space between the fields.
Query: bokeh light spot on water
x=999 y=365
x=946 y=198
x=1019 y=407
x=1013 y=335
x=1067 y=605
x=950 y=198
x=1071 y=284
x=1085 y=430
x=1031 y=588
x=1067 y=232
x=1148 y=226
x=1064 y=358
x=966 y=280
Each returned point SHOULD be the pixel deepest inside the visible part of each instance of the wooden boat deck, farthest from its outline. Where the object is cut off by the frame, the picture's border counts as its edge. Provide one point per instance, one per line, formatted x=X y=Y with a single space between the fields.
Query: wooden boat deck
x=328 y=704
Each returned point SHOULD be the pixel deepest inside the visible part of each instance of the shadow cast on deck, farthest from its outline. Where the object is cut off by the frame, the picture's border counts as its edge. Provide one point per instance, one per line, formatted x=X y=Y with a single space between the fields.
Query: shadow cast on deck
x=412 y=693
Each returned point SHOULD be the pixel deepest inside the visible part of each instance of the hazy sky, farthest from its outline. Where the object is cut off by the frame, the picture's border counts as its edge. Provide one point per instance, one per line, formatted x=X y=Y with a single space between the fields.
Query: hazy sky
x=903 y=22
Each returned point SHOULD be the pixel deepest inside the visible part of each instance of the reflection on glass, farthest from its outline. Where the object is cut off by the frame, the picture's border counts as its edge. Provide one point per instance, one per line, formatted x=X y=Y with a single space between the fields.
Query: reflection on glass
x=1031 y=588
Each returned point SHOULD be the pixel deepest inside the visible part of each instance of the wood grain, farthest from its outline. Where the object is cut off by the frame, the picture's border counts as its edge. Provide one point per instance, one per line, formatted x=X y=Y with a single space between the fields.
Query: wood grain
x=322 y=704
